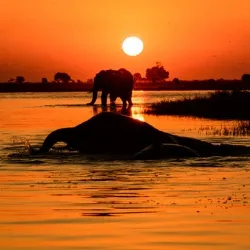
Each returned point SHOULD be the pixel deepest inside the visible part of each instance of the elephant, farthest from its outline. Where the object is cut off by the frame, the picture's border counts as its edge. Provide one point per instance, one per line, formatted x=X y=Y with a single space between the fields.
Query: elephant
x=164 y=150
x=117 y=83
x=114 y=134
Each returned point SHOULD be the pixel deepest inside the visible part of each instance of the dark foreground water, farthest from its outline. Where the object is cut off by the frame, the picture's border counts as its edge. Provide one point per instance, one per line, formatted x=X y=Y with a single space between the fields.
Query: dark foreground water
x=67 y=201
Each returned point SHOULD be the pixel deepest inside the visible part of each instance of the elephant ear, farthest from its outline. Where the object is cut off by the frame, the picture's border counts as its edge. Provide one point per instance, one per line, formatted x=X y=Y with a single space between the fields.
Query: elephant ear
x=112 y=72
x=125 y=73
x=122 y=70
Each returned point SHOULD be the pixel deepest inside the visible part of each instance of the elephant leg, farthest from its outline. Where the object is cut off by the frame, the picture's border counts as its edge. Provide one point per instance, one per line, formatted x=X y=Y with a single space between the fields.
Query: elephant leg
x=127 y=97
x=93 y=98
x=112 y=99
x=124 y=102
x=130 y=103
x=104 y=98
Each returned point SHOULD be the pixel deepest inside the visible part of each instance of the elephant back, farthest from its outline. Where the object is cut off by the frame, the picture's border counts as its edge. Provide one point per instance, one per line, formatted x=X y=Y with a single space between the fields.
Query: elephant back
x=127 y=78
x=114 y=80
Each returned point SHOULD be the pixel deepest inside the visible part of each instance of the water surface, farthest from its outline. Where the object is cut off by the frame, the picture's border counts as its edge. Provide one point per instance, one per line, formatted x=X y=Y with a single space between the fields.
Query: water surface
x=67 y=201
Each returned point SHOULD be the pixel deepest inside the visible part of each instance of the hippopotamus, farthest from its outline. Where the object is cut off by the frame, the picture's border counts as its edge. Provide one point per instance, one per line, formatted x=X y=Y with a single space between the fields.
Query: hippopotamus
x=113 y=134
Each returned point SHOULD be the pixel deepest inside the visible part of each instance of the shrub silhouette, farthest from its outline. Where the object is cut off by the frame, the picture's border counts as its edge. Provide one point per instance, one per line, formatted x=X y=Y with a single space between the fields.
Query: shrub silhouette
x=137 y=76
x=20 y=79
x=44 y=80
x=62 y=77
x=176 y=81
x=245 y=78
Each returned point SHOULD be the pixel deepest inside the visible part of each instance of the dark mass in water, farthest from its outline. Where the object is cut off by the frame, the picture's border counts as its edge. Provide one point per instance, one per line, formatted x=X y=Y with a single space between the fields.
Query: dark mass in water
x=115 y=134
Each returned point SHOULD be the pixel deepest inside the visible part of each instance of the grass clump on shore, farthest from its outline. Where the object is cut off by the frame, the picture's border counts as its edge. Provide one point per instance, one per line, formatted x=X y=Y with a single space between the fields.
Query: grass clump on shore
x=240 y=128
x=224 y=104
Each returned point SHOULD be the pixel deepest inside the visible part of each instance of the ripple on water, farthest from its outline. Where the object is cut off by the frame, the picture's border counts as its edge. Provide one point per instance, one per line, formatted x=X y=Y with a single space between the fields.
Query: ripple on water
x=67 y=201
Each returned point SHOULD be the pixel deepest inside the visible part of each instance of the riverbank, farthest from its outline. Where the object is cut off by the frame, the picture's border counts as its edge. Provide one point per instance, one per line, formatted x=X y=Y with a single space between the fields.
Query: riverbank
x=147 y=86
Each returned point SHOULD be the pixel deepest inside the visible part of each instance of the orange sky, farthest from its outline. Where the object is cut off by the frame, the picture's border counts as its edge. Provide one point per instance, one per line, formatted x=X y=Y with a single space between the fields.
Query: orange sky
x=193 y=39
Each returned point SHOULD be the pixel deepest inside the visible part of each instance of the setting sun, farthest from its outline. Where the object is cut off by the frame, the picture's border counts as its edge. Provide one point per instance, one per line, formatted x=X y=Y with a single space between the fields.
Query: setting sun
x=132 y=46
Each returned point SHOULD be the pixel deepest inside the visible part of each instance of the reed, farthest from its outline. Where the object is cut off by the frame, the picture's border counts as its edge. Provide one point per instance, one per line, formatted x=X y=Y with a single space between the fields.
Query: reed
x=224 y=104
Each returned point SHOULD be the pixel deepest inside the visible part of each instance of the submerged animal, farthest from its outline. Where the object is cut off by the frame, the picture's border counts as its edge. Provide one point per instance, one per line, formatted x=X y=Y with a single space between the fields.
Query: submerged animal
x=114 y=134
x=164 y=150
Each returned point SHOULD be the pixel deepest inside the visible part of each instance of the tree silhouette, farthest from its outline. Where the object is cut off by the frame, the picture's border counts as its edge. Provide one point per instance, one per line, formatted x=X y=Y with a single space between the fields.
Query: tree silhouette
x=137 y=77
x=90 y=81
x=20 y=79
x=176 y=81
x=245 y=78
x=62 y=77
x=44 y=80
x=157 y=73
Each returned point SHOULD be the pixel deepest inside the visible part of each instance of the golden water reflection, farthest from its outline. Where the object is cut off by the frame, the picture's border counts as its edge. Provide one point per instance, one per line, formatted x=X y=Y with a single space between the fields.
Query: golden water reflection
x=66 y=203
x=134 y=112
x=124 y=206
x=137 y=113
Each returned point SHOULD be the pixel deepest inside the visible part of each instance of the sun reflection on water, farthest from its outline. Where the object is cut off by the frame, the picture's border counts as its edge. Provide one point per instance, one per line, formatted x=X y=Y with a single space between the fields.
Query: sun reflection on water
x=136 y=113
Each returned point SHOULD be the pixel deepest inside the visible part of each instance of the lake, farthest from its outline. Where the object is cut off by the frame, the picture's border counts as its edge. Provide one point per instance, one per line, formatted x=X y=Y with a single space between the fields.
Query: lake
x=66 y=202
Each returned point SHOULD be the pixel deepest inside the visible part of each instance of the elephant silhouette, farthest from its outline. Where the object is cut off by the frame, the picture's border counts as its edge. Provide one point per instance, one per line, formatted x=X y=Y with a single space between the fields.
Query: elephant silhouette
x=118 y=135
x=116 y=83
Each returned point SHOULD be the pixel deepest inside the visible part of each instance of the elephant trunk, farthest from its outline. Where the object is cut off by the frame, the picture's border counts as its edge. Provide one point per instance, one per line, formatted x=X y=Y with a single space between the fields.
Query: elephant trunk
x=94 y=97
x=60 y=135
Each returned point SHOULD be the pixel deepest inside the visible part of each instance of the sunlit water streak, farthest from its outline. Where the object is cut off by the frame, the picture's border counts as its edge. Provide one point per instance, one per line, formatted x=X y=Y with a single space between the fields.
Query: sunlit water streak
x=68 y=201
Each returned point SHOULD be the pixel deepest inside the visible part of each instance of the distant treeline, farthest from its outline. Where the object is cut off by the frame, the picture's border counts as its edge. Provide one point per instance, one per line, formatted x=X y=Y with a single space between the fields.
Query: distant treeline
x=155 y=79
x=175 y=84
